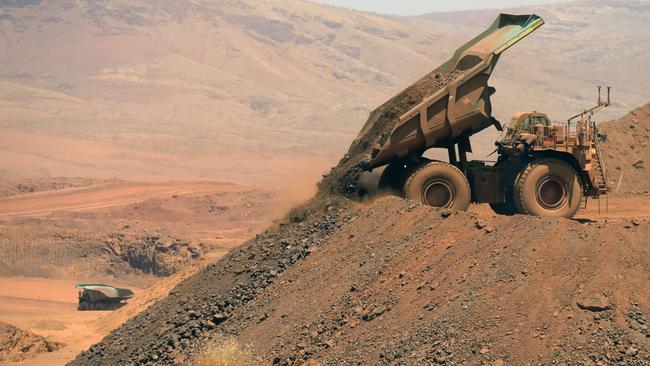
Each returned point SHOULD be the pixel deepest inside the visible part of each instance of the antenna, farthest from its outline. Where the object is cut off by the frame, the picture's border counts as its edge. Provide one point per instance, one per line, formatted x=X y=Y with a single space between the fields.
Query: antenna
x=599 y=101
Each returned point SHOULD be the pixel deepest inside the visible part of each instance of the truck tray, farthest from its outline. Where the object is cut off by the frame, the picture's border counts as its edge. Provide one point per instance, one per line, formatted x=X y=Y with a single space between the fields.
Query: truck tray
x=462 y=106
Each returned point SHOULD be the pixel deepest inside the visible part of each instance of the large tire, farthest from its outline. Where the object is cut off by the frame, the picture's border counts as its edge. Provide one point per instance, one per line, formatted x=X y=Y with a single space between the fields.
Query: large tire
x=394 y=175
x=438 y=184
x=392 y=178
x=83 y=305
x=549 y=188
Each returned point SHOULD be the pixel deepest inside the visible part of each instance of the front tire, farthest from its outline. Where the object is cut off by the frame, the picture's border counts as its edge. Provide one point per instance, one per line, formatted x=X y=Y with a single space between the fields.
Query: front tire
x=548 y=188
x=440 y=185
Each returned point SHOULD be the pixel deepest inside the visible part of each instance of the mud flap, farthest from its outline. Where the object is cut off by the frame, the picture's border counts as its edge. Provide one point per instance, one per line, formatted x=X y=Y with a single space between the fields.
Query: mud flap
x=488 y=184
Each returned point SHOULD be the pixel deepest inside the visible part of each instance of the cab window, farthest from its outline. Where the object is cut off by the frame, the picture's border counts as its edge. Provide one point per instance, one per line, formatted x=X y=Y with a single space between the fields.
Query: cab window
x=525 y=124
x=540 y=120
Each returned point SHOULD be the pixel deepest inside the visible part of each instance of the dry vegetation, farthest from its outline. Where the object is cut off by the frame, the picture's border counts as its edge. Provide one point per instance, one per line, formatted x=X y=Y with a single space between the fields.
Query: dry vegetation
x=226 y=352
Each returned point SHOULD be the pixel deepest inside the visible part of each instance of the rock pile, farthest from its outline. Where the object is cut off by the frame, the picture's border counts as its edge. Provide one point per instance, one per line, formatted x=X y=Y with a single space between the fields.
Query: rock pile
x=399 y=283
x=626 y=152
x=17 y=344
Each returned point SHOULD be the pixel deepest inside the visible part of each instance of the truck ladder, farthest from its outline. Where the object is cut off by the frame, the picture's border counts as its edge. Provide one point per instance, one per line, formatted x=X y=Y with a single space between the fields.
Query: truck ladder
x=600 y=173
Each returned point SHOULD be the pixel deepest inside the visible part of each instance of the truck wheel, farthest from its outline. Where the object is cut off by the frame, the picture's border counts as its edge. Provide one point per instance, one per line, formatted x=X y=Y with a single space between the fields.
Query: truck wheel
x=438 y=184
x=392 y=178
x=549 y=188
x=83 y=306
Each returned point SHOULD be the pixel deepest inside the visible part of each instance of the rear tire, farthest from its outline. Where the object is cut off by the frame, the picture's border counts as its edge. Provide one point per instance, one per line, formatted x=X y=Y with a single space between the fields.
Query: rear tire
x=83 y=305
x=548 y=188
x=438 y=184
x=393 y=177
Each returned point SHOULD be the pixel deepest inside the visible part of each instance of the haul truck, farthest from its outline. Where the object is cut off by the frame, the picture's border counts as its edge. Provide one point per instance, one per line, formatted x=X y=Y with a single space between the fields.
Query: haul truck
x=102 y=297
x=542 y=169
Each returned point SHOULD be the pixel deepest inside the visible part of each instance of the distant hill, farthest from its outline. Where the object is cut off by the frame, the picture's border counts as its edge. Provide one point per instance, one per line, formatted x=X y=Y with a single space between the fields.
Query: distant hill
x=247 y=90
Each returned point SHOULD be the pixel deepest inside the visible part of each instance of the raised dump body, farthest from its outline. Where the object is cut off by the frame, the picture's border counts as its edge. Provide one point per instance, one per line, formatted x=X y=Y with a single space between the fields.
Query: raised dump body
x=102 y=297
x=461 y=108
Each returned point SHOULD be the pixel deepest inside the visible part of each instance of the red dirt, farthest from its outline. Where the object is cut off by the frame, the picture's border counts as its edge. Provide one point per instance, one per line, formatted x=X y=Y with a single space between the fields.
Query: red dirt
x=17 y=344
x=396 y=282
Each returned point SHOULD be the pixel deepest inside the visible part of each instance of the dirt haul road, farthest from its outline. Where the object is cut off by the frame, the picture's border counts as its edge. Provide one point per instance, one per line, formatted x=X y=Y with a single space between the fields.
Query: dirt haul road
x=103 y=196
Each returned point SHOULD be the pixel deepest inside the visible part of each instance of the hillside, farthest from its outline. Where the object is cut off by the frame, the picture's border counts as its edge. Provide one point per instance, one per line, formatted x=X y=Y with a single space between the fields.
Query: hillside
x=398 y=283
x=197 y=79
x=626 y=152
x=17 y=344
x=249 y=91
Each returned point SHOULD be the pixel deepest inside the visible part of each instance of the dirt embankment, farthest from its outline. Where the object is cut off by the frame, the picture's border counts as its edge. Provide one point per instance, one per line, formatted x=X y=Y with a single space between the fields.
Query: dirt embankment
x=200 y=305
x=397 y=282
x=125 y=230
x=626 y=152
x=17 y=344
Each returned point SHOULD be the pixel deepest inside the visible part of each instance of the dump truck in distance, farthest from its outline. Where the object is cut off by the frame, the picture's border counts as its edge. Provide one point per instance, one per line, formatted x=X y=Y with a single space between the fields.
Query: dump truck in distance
x=102 y=297
x=542 y=169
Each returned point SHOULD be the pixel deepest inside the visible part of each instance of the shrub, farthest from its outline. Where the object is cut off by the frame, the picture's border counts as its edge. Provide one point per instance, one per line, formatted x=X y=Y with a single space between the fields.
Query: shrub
x=221 y=352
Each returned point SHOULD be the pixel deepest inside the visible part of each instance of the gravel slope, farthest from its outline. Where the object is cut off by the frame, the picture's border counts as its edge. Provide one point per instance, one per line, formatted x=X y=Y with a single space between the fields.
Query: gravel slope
x=399 y=283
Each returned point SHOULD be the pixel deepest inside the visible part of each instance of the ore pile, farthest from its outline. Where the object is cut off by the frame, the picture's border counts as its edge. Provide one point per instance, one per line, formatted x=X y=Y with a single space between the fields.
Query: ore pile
x=626 y=152
x=380 y=124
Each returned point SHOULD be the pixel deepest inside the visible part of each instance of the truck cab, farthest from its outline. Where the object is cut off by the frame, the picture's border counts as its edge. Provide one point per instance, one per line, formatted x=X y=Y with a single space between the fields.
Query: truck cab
x=525 y=121
x=534 y=127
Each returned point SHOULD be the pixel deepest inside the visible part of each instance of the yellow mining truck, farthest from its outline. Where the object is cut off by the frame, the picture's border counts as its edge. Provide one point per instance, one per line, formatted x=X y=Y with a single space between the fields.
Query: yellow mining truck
x=543 y=169
x=102 y=297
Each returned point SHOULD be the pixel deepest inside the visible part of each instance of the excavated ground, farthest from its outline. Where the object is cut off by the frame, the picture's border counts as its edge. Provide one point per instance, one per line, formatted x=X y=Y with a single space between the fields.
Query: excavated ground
x=17 y=344
x=400 y=283
x=626 y=152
